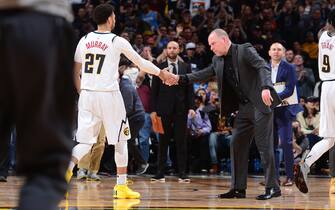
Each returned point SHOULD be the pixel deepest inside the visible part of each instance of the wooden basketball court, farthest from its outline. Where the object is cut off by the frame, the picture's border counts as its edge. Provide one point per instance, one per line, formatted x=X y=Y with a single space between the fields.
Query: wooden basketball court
x=201 y=193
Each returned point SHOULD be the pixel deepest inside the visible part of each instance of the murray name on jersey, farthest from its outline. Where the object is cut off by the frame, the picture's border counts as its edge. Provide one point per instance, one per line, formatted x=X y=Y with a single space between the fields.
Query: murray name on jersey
x=96 y=44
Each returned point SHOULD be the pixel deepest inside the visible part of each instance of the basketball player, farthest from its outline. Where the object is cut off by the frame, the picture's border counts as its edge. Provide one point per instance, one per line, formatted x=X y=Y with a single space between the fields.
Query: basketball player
x=96 y=61
x=327 y=106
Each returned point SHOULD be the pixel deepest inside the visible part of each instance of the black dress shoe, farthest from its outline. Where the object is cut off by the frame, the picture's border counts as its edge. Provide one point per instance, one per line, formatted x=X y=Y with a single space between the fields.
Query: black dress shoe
x=269 y=193
x=183 y=178
x=233 y=194
x=158 y=178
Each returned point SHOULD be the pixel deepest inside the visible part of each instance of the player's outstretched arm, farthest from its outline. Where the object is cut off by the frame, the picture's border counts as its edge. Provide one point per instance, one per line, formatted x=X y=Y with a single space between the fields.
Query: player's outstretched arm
x=124 y=46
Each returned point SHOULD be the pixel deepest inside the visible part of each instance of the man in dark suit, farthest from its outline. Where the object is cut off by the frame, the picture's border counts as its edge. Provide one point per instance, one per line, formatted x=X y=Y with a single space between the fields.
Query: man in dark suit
x=283 y=73
x=244 y=82
x=172 y=104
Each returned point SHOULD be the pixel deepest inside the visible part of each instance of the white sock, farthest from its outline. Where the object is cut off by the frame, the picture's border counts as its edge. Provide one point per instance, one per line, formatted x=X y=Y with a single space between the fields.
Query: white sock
x=318 y=150
x=121 y=179
x=71 y=165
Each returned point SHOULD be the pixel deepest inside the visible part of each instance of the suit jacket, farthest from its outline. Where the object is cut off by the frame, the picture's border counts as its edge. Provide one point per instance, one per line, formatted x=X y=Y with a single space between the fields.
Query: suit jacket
x=167 y=100
x=286 y=73
x=254 y=75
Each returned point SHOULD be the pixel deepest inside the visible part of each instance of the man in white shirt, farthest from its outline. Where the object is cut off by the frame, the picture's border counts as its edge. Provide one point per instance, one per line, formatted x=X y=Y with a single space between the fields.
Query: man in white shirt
x=283 y=73
x=100 y=103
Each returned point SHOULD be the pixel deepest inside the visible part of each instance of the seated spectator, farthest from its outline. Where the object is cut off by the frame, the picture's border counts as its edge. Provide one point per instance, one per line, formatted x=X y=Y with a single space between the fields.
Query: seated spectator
x=300 y=141
x=150 y=16
x=289 y=56
x=309 y=120
x=305 y=76
x=196 y=62
x=139 y=43
x=200 y=127
x=219 y=144
x=144 y=92
x=203 y=93
x=162 y=38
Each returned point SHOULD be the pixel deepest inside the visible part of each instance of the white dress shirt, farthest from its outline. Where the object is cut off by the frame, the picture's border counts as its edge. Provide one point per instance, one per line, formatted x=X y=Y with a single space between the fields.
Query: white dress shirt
x=171 y=66
x=274 y=72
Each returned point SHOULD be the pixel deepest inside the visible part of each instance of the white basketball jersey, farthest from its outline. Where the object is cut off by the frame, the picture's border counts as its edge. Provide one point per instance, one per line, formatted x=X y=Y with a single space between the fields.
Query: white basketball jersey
x=327 y=56
x=99 y=54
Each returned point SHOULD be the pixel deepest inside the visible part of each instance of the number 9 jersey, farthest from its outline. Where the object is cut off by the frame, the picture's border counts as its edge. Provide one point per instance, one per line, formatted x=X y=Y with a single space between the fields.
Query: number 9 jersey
x=327 y=56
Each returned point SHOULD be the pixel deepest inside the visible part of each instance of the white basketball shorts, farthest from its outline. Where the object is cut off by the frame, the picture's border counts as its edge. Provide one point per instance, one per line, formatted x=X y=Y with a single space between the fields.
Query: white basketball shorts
x=102 y=108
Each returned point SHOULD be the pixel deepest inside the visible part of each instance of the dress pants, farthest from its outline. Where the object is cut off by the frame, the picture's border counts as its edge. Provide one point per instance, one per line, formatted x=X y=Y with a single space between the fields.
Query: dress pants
x=174 y=127
x=283 y=131
x=251 y=123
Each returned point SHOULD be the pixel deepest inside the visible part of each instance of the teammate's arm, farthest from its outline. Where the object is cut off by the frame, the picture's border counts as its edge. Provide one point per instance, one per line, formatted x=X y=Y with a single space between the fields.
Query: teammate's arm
x=77 y=74
x=77 y=66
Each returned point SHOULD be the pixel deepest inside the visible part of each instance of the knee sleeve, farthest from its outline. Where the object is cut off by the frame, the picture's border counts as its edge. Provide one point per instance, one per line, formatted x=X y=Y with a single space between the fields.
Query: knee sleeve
x=121 y=154
x=80 y=150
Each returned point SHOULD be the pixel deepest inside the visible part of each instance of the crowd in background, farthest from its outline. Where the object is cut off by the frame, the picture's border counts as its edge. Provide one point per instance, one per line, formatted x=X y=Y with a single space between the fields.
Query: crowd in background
x=150 y=25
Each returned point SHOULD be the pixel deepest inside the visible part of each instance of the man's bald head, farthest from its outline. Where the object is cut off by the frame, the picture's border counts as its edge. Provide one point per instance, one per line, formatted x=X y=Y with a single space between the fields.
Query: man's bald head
x=219 y=42
x=276 y=52
x=219 y=32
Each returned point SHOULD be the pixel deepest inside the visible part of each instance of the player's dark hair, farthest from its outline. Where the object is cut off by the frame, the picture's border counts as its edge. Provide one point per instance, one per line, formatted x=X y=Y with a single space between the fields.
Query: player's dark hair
x=102 y=12
x=331 y=18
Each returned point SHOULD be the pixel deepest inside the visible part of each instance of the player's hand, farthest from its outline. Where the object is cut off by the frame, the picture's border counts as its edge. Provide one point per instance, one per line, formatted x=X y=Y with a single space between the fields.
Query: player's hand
x=168 y=78
x=266 y=97
x=172 y=80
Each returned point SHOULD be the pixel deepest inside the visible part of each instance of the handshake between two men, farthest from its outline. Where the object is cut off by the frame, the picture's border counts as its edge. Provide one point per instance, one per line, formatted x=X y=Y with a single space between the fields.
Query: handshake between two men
x=168 y=78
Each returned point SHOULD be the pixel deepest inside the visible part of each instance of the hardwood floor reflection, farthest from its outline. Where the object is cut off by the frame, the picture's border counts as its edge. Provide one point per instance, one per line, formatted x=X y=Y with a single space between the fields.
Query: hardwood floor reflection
x=200 y=193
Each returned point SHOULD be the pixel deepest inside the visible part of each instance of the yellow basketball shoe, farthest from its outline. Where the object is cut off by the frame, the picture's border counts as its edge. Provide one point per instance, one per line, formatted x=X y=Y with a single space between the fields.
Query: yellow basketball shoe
x=332 y=186
x=123 y=191
x=124 y=204
x=68 y=175
x=66 y=205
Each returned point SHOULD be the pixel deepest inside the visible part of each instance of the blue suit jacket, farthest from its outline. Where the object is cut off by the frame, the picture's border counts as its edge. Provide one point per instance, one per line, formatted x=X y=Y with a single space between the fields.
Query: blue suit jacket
x=286 y=73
